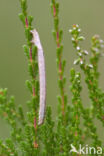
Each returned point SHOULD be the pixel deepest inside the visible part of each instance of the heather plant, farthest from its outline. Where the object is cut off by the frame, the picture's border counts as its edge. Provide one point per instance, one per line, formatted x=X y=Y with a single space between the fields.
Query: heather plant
x=74 y=125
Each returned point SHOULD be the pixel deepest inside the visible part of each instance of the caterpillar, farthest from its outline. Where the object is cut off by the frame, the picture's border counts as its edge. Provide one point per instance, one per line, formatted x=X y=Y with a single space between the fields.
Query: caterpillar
x=42 y=77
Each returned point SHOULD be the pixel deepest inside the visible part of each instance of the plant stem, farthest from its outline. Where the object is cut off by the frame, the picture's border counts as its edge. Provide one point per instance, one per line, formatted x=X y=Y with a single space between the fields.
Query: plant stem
x=27 y=21
x=33 y=88
x=59 y=58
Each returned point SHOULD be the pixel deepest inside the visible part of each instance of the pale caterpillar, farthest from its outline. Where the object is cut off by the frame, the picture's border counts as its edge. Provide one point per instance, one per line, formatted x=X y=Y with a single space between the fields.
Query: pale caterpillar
x=42 y=78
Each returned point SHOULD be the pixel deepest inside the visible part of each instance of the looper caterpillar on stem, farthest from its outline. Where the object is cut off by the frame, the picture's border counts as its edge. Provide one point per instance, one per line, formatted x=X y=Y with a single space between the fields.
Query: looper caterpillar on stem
x=42 y=78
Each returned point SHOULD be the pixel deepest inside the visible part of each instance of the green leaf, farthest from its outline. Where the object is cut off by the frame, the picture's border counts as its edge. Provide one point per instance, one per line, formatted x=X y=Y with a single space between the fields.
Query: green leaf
x=22 y=18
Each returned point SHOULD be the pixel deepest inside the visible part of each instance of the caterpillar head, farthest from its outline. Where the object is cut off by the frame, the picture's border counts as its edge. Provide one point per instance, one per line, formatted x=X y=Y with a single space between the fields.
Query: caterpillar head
x=35 y=35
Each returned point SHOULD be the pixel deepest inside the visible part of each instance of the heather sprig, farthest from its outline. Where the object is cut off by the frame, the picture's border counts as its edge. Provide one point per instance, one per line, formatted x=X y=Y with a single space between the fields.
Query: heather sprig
x=82 y=114
x=90 y=70
x=76 y=101
x=97 y=46
x=48 y=134
x=8 y=148
x=31 y=53
x=9 y=111
x=58 y=35
x=15 y=118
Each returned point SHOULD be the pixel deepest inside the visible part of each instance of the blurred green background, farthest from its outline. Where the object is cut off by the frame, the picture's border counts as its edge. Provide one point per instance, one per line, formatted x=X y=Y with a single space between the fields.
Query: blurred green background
x=88 y=14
